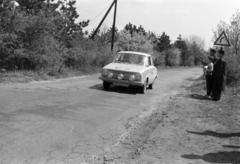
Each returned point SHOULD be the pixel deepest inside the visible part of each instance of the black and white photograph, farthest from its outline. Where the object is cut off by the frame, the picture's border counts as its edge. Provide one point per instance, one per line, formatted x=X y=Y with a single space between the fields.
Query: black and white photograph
x=119 y=82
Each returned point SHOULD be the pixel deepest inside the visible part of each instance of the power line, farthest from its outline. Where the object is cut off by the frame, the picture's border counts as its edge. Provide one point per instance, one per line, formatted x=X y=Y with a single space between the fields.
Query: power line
x=86 y=10
x=99 y=14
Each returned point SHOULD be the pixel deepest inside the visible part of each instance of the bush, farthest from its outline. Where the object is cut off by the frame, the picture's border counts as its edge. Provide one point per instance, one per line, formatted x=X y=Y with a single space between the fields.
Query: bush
x=173 y=57
x=103 y=58
x=158 y=58
x=78 y=58
x=233 y=68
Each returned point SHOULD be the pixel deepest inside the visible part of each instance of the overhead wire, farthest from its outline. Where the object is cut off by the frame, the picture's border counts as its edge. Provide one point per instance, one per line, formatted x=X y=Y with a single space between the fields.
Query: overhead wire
x=99 y=14
x=86 y=10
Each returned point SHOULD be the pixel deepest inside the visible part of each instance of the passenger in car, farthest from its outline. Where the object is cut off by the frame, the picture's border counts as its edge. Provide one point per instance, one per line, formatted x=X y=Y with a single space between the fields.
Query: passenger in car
x=140 y=60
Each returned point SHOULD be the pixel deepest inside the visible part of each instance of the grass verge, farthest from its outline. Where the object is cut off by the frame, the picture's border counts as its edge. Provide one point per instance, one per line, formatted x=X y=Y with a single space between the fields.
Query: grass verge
x=28 y=76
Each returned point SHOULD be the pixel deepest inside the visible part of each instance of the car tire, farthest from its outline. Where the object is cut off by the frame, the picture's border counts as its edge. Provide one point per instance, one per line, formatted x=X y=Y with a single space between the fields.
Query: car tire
x=144 y=87
x=106 y=85
x=151 y=85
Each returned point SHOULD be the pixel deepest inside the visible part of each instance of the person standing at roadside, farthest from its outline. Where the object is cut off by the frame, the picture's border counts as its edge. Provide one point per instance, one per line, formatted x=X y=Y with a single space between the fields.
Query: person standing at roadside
x=219 y=76
x=208 y=71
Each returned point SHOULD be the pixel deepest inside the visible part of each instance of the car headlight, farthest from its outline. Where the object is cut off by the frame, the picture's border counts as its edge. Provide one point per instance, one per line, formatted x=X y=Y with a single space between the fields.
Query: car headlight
x=104 y=72
x=110 y=75
x=137 y=76
x=132 y=78
x=120 y=77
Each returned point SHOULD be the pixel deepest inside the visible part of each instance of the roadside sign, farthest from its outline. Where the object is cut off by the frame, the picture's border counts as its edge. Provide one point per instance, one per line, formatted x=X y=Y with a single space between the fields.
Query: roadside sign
x=222 y=40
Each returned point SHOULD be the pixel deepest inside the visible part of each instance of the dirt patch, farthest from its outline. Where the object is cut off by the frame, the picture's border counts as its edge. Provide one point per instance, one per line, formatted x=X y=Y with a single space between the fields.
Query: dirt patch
x=186 y=129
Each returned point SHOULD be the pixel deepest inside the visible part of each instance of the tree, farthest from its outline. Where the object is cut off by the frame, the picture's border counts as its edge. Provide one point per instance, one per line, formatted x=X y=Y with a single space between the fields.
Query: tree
x=232 y=56
x=163 y=43
x=172 y=57
x=140 y=30
x=129 y=28
x=141 y=43
x=181 y=44
x=29 y=36
x=125 y=40
x=134 y=42
x=70 y=28
x=234 y=32
x=158 y=58
x=31 y=5
x=134 y=29
x=153 y=37
x=105 y=36
x=195 y=39
x=197 y=53
x=12 y=25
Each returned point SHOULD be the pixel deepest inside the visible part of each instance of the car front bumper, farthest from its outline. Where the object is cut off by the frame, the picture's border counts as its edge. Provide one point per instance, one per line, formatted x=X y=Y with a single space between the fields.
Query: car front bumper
x=122 y=82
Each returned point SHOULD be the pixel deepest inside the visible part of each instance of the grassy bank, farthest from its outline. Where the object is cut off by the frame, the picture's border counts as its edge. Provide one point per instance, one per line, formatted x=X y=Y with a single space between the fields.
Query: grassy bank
x=229 y=100
x=28 y=76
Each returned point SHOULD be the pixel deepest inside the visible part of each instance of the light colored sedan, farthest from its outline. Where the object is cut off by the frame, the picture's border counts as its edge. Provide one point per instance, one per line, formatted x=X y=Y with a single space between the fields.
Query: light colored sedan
x=130 y=69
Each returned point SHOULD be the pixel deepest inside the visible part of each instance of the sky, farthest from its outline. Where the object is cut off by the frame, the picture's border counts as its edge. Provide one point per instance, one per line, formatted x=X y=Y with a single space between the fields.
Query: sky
x=174 y=17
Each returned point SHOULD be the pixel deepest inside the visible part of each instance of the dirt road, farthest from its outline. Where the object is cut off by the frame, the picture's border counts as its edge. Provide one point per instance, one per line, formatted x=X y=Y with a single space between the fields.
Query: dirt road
x=75 y=121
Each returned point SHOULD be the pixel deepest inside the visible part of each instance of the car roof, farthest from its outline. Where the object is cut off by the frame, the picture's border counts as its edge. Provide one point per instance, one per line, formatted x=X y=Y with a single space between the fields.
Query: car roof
x=134 y=52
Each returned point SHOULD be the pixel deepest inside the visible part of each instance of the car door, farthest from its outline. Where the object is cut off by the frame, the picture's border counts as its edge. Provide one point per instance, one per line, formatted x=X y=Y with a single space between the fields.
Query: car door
x=152 y=70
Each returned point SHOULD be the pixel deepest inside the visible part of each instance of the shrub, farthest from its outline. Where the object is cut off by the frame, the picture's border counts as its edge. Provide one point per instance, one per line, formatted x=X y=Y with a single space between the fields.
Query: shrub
x=173 y=57
x=158 y=58
x=233 y=68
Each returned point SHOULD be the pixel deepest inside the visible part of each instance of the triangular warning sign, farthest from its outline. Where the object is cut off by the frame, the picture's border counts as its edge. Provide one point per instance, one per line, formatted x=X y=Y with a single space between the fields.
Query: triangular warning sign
x=222 y=40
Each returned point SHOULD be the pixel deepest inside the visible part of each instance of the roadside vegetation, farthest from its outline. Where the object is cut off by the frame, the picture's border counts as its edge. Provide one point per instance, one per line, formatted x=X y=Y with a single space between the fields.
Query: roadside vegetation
x=41 y=39
x=232 y=30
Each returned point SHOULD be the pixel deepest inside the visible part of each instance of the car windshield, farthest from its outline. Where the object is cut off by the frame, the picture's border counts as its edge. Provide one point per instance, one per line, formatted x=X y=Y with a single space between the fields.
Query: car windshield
x=129 y=58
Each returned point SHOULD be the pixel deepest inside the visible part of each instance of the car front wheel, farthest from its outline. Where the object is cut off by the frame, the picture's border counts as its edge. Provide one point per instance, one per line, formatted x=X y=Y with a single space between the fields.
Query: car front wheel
x=144 y=87
x=151 y=85
x=106 y=85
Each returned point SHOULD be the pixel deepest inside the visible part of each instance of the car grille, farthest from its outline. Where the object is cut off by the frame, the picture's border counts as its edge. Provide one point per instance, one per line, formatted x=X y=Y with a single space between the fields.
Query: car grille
x=125 y=74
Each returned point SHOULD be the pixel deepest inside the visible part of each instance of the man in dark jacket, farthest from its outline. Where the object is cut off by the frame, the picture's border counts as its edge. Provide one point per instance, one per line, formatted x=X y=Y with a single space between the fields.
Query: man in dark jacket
x=219 y=76
x=208 y=71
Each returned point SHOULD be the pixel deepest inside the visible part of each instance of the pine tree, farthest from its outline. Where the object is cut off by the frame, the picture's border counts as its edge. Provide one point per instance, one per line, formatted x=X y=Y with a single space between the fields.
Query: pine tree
x=163 y=43
x=134 y=29
x=32 y=6
x=182 y=45
x=141 y=30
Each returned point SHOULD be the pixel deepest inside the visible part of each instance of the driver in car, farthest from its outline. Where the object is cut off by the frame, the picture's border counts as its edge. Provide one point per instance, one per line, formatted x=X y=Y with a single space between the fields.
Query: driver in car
x=126 y=58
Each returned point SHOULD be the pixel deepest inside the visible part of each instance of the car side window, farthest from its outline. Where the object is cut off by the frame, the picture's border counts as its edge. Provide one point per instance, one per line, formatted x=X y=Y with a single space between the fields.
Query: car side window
x=149 y=61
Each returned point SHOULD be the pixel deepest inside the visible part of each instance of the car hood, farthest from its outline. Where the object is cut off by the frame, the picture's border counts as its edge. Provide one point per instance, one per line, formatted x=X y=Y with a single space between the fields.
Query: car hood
x=125 y=67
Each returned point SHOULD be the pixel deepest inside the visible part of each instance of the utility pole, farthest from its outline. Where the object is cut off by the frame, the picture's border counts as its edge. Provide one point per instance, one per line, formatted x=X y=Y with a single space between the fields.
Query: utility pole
x=114 y=22
x=65 y=27
x=113 y=27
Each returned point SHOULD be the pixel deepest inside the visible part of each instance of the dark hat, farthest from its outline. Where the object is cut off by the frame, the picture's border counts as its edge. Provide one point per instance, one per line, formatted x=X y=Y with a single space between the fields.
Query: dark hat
x=221 y=51
x=211 y=57
x=212 y=50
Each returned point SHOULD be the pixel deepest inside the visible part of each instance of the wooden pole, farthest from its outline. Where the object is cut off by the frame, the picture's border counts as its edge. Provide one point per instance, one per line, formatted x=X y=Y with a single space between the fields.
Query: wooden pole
x=114 y=23
x=103 y=20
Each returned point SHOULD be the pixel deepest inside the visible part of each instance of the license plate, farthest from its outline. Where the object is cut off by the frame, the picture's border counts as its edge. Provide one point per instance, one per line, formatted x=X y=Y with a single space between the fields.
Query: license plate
x=121 y=84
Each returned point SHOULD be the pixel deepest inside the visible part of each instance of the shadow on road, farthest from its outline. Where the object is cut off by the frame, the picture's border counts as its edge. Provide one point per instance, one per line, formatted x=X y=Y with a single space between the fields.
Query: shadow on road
x=197 y=97
x=123 y=90
x=231 y=146
x=219 y=157
x=215 y=134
